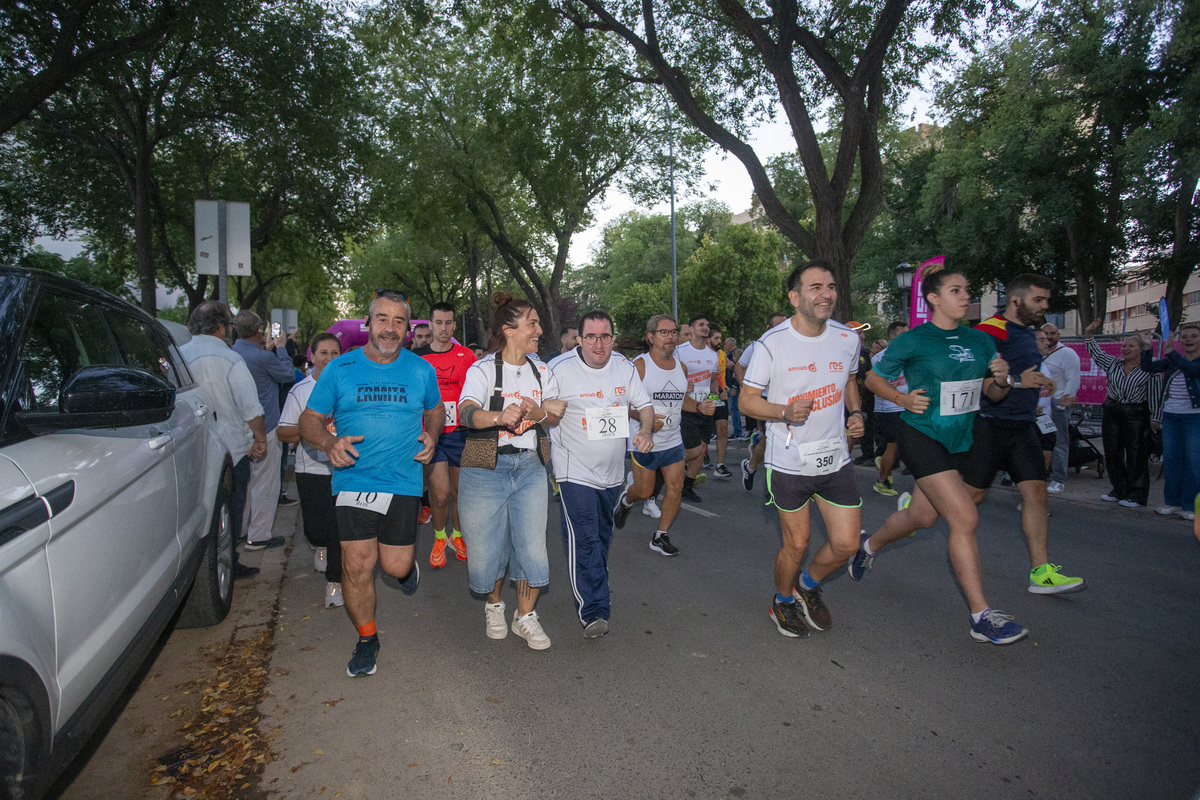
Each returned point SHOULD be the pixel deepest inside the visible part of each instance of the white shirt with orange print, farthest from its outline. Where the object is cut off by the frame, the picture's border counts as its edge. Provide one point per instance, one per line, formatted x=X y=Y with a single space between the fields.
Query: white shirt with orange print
x=787 y=366
x=518 y=382
x=701 y=367
x=599 y=464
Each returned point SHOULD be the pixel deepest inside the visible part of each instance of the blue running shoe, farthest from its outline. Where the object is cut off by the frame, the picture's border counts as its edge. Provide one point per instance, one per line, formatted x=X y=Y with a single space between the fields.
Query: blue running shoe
x=363 y=660
x=997 y=628
x=409 y=584
x=860 y=565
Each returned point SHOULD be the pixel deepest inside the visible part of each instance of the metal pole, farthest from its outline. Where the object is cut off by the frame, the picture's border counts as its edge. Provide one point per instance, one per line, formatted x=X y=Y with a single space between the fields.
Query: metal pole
x=674 y=270
x=223 y=268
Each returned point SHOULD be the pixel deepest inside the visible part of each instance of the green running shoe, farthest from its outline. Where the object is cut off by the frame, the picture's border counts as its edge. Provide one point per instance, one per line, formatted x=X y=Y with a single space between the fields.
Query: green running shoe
x=1047 y=580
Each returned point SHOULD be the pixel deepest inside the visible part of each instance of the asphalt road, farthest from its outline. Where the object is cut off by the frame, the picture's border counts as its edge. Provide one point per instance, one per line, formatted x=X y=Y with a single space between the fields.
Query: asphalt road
x=695 y=694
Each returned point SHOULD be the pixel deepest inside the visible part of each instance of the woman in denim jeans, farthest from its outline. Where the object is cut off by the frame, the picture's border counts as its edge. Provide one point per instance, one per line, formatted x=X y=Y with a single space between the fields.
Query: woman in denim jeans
x=503 y=510
x=1178 y=406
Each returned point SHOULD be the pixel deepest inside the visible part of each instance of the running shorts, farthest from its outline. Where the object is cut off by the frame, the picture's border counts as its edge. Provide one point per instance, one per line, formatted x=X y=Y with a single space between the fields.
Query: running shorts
x=449 y=447
x=792 y=492
x=721 y=412
x=924 y=455
x=1004 y=444
x=398 y=527
x=697 y=429
x=657 y=459
x=887 y=426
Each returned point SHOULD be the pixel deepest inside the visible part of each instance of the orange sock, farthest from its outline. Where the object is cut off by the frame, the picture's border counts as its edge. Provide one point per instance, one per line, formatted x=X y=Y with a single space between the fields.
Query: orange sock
x=367 y=630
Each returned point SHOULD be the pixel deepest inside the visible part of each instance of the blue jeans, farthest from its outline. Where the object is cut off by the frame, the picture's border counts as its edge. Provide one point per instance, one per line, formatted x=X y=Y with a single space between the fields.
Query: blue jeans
x=735 y=417
x=1062 y=444
x=503 y=515
x=1181 y=459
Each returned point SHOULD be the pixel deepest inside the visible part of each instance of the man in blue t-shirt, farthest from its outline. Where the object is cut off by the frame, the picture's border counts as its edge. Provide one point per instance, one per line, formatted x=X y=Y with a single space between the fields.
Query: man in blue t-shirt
x=1006 y=435
x=378 y=413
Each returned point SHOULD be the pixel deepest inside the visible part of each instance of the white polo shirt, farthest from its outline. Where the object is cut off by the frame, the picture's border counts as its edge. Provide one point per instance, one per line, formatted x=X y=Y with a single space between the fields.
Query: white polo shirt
x=787 y=366
x=599 y=464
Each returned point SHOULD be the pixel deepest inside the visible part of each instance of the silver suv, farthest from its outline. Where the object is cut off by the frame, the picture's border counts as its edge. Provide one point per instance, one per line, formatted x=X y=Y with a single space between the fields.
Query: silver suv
x=114 y=513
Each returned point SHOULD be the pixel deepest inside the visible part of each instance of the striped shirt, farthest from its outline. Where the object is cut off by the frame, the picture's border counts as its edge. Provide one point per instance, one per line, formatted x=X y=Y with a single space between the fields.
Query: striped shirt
x=1122 y=388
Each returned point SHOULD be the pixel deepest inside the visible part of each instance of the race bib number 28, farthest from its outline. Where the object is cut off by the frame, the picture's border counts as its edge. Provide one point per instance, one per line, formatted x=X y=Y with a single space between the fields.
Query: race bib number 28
x=610 y=422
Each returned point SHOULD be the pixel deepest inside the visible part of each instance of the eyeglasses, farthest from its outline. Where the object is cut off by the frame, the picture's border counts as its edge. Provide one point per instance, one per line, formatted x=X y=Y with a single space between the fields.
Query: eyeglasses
x=603 y=338
x=668 y=332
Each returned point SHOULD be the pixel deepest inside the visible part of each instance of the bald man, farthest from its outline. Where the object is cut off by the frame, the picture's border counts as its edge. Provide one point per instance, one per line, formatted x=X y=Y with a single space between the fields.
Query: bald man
x=1062 y=365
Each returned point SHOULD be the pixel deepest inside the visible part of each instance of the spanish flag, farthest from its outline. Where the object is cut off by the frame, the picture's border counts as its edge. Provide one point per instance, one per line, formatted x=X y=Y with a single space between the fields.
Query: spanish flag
x=996 y=325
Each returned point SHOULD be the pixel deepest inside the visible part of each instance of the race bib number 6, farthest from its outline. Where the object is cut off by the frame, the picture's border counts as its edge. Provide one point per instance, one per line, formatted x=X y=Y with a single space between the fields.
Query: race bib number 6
x=960 y=397
x=610 y=422
x=376 y=502
x=670 y=417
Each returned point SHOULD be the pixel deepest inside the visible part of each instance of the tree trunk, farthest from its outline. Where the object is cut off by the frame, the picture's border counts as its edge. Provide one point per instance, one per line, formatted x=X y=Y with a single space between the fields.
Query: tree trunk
x=1183 y=250
x=142 y=230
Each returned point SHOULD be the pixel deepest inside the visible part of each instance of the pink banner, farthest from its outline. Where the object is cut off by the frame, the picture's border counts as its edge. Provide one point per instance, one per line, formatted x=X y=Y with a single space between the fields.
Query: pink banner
x=1093 y=384
x=918 y=310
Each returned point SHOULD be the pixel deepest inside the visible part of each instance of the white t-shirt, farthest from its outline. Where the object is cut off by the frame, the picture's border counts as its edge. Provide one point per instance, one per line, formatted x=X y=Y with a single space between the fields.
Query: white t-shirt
x=599 y=464
x=666 y=389
x=787 y=366
x=1178 y=399
x=900 y=384
x=1062 y=365
x=309 y=460
x=518 y=382
x=701 y=367
x=744 y=360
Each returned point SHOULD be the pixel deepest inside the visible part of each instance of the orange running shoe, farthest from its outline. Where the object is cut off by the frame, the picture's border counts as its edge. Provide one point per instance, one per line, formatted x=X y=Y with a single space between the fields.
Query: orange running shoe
x=423 y=517
x=460 y=548
x=437 y=558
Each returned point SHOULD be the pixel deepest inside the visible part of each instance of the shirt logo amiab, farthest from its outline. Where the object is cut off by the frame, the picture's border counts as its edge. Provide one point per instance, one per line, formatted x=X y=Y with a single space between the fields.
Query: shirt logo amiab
x=960 y=353
x=380 y=393
x=803 y=368
x=825 y=397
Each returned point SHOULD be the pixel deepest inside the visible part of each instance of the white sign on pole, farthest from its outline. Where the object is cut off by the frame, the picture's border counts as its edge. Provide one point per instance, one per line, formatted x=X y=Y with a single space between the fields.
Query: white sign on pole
x=237 y=238
x=291 y=320
x=206 y=238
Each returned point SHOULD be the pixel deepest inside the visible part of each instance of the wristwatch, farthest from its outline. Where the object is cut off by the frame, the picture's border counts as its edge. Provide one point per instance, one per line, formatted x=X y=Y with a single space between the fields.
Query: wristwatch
x=1013 y=383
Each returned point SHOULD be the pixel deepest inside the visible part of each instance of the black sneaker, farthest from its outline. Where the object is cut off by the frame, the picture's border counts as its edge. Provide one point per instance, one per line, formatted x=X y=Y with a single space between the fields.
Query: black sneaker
x=410 y=582
x=707 y=462
x=747 y=475
x=620 y=512
x=284 y=500
x=787 y=619
x=661 y=544
x=722 y=471
x=240 y=570
x=816 y=614
x=363 y=660
x=274 y=541
x=690 y=494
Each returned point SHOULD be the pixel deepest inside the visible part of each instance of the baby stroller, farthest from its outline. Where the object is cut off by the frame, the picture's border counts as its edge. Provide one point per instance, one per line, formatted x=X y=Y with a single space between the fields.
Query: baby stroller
x=1083 y=452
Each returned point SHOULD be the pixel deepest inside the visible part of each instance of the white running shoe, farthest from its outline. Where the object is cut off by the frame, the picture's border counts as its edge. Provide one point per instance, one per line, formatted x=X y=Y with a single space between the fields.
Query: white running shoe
x=903 y=500
x=651 y=509
x=319 y=556
x=497 y=626
x=529 y=629
x=1168 y=511
x=333 y=595
x=1054 y=487
x=1108 y=498
x=1128 y=503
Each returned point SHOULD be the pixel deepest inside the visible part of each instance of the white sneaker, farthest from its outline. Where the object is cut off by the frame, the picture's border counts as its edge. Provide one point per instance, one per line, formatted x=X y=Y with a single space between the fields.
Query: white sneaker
x=1190 y=516
x=1054 y=487
x=333 y=595
x=1128 y=503
x=628 y=479
x=529 y=629
x=651 y=509
x=497 y=626
x=319 y=554
x=1108 y=498
x=1168 y=511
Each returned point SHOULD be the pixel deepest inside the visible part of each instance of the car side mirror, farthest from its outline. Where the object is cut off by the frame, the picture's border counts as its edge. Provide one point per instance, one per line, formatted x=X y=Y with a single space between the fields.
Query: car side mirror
x=107 y=396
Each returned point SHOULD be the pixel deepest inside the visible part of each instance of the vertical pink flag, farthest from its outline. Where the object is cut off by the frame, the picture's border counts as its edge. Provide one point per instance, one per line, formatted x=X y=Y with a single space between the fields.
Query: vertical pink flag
x=918 y=310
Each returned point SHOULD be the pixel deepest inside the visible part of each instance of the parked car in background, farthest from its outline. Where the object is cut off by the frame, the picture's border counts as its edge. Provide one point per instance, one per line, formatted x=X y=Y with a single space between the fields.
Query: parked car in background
x=114 y=513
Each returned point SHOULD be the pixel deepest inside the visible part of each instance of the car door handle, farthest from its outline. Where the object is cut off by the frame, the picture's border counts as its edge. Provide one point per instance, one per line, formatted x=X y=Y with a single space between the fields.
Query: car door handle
x=159 y=442
x=201 y=411
x=21 y=516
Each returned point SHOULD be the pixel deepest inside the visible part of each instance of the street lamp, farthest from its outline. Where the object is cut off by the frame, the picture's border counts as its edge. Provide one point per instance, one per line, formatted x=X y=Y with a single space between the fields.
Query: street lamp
x=904 y=279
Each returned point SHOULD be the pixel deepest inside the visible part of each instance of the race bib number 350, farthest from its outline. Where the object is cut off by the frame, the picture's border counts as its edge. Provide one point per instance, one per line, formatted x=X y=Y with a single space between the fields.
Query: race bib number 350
x=960 y=397
x=610 y=422
x=377 y=502
x=821 y=458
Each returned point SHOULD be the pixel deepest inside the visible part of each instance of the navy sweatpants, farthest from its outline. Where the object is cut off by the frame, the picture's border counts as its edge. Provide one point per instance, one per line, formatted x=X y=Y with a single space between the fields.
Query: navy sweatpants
x=587 y=523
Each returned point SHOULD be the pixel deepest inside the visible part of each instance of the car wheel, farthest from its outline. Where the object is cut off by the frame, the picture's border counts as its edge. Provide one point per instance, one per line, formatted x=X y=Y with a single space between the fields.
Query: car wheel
x=211 y=594
x=20 y=748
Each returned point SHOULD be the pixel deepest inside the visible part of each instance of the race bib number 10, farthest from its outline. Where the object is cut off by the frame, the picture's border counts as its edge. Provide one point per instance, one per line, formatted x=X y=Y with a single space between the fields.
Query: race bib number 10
x=610 y=422
x=960 y=397
x=377 y=502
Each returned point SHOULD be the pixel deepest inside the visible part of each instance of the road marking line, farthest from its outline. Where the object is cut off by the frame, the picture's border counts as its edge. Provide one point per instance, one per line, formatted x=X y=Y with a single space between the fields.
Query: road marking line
x=699 y=511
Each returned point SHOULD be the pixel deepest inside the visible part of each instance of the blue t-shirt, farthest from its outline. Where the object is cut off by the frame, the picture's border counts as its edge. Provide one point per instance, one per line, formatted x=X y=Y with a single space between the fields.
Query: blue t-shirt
x=385 y=404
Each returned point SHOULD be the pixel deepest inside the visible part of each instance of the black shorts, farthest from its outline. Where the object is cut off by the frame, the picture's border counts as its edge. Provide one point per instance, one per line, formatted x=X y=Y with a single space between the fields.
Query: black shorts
x=887 y=426
x=721 y=412
x=398 y=527
x=1049 y=440
x=696 y=428
x=1004 y=444
x=792 y=492
x=925 y=455
x=449 y=447
x=317 y=509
